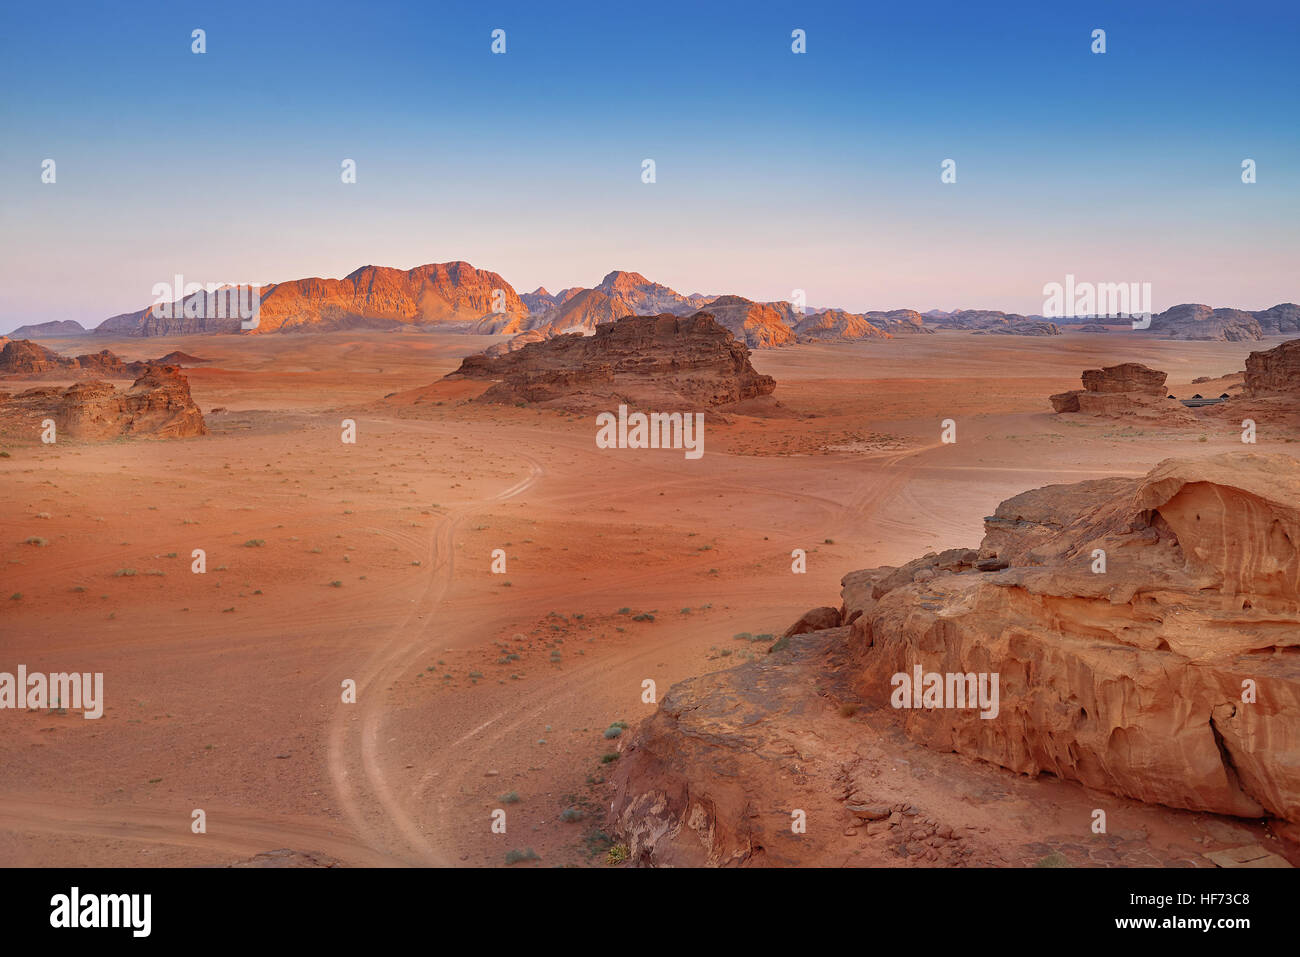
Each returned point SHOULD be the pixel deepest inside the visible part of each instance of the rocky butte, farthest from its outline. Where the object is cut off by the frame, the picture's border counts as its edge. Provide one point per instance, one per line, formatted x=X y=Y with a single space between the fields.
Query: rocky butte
x=1122 y=391
x=1145 y=632
x=663 y=363
x=157 y=405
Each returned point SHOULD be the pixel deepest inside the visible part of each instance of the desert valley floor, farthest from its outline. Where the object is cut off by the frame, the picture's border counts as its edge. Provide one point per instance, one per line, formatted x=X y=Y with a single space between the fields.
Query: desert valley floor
x=372 y=561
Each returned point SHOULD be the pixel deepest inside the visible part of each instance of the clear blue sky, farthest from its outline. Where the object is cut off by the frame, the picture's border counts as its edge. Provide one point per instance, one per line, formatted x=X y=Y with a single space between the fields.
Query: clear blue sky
x=775 y=171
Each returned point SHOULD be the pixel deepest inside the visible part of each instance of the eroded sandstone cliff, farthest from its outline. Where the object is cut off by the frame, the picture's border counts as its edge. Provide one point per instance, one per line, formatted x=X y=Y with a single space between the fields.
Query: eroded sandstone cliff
x=1145 y=634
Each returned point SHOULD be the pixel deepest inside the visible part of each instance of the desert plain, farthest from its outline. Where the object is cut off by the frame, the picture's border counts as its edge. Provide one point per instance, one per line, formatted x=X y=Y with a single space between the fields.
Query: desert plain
x=479 y=691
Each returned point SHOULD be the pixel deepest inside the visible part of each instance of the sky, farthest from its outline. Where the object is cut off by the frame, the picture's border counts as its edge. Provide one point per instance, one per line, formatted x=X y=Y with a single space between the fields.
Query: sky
x=774 y=171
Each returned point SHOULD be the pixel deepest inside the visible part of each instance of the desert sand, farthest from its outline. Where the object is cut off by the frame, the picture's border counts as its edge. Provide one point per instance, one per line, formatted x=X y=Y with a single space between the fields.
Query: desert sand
x=479 y=691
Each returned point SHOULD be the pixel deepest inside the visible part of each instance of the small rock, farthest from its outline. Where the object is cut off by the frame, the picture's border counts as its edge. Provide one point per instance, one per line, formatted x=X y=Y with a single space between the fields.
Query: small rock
x=896 y=818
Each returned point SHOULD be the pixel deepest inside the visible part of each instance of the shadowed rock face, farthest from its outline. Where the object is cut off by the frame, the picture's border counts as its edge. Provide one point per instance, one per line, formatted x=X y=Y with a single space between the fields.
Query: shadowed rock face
x=1171 y=677
x=157 y=405
x=653 y=362
x=1275 y=372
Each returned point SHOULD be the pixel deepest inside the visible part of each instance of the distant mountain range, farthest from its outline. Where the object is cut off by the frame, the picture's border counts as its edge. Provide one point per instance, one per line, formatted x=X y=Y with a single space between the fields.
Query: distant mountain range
x=459 y=297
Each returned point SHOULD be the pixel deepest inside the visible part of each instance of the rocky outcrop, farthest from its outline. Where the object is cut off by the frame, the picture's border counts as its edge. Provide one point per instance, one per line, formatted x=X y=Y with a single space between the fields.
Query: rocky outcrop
x=1132 y=677
x=538 y=301
x=835 y=325
x=26 y=359
x=639 y=296
x=1143 y=633
x=178 y=358
x=1126 y=377
x=576 y=309
x=1275 y=371
x=899 y=322
x=1282 y=319
x=1027 y=327
x=992 y=321
x=22 y=357
x=816 y=619
x=1199 y=322
x=1193 y=321
x=759 y=325
x=515 y=343
x=653 y=362
x=1129 y=390
x=157 y=405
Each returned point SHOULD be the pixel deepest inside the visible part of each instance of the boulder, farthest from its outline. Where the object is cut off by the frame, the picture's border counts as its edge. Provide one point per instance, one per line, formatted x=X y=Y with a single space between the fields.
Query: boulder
x=818 y=619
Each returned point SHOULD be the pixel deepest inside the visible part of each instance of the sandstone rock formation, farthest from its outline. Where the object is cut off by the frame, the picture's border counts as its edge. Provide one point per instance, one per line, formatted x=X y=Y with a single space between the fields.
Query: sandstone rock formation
x=659 y=363
x=1269 y=393
x=816 y=619
x=1126 y=377
x=538 y=301
x=835 y=324
x=1128 y=390
x=756 y=324
x=1275 y=371
x=576 y=309
x=1029 y=327
x=1279 y=320
x=1168 y=676
x=26 y=359
x=993 y=321
x=1195 y=321
x=1129 y=680
x=157 y=405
